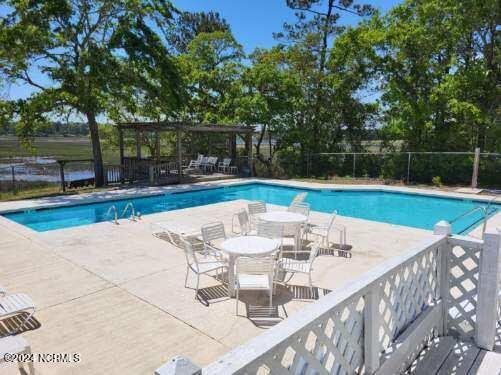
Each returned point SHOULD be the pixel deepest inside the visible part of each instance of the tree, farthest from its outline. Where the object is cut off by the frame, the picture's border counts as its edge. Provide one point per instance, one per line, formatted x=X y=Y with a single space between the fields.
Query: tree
x=211 y=69
x=439 y=72
x=270 y=91
x=89 y=51
x=309 y=50
x=188 y=25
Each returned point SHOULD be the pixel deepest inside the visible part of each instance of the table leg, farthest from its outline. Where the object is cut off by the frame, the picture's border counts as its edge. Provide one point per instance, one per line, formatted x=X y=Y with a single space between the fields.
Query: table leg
x=298 y=238
x=231 y=276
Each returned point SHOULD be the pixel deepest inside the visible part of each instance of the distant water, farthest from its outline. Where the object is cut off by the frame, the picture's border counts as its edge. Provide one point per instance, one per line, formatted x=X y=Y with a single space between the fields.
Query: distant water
x=46 y=169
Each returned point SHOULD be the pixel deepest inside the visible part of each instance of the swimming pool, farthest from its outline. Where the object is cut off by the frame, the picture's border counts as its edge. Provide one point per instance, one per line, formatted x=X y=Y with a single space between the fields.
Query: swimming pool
x=419 y=211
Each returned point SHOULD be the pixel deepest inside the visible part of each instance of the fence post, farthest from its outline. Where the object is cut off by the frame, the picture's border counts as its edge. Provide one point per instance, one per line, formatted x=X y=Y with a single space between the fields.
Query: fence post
x=61 y=172
x=408 y=167
x=371 y=330
x=179 y=366
x=354 y=164
x=443 y=228
x=488 y=289
x=12 y=168
x=476 y=162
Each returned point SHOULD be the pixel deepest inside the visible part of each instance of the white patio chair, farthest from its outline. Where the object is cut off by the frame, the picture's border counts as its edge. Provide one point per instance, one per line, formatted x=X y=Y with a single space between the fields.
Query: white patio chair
x=200 y=264
x=210 y=165
x=203 y=162
x=294 y=266
x=224 y=166
x=300 y=208
x=323 y=231
x=254 y=274
x=244 y=223
x=270 y=230
x=255 y=209
x=300 y=197
x=16 y=345
x=193 y=166
x=16 y=304
x=212 y=233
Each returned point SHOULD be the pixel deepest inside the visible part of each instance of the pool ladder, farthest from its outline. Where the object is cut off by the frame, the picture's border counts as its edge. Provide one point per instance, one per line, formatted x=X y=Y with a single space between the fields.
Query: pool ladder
x=486 y=211
x=133 y=216
x=114 y=209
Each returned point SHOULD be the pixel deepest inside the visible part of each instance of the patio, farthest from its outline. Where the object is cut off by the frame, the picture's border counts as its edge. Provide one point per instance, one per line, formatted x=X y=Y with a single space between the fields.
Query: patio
x=115 y=294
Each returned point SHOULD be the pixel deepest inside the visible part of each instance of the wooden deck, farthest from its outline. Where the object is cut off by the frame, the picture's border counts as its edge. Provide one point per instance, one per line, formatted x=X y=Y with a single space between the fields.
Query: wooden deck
x=447 y=355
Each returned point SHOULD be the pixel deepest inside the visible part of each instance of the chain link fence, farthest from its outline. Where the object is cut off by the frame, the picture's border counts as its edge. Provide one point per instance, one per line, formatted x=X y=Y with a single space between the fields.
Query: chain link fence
x=450 y=168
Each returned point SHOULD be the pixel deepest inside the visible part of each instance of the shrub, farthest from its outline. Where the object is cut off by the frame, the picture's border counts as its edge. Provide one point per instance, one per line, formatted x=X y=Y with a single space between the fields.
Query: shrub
x=436 y=181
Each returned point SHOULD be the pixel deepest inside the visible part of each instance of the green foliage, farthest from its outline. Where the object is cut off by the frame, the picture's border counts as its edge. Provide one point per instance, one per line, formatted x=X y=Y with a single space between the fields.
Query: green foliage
x=436 y=181
x=92 y=53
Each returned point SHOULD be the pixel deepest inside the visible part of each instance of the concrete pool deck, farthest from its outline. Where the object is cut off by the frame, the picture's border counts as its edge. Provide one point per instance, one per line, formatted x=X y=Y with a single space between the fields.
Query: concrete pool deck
x=115 y=294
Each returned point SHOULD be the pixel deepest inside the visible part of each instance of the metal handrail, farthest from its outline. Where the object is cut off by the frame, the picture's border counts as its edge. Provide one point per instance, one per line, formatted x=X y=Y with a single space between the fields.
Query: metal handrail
x=114 y=208
x=484 y=227
x=477 y=208
x=131 y=205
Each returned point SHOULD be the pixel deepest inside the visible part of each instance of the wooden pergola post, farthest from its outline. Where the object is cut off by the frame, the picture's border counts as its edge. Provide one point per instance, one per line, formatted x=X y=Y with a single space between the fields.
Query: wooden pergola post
x=121 y=145
x=248 y=148
x=232 y=140
x=138 y=144
x=179 y=155
x=157 y=145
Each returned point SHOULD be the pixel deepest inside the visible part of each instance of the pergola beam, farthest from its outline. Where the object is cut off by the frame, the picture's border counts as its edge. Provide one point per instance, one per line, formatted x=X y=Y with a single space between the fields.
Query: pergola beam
x=187 y=127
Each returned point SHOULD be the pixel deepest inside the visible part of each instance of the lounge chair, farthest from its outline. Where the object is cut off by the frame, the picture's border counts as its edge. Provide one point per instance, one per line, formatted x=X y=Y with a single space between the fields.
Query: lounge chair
x=299 y=198
x=210 y=165
x=16 y=345
x=300 y=208
x=224 y=166
x=323 y=231
x=16 y=304
x=200 y=264
x=254 y=274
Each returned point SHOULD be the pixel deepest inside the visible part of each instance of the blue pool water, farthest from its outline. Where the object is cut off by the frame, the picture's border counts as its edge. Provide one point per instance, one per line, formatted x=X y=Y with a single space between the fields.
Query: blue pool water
x=389 y=207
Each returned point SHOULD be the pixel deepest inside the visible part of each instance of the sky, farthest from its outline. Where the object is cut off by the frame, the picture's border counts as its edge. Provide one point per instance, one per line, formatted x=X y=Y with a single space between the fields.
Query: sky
x=253 y=23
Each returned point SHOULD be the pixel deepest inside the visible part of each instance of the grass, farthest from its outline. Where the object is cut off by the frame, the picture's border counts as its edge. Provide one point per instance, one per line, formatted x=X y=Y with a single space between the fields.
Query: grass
x=33 y=192
x=55 y=147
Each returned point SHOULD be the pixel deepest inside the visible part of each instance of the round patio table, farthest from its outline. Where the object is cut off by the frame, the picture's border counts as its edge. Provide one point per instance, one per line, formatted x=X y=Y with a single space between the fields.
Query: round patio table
x=245 y=246
x=286 y=217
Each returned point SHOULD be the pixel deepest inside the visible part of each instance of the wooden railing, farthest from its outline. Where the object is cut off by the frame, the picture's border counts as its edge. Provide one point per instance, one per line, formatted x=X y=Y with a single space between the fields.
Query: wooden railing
x=379 y=323
x=114 y=174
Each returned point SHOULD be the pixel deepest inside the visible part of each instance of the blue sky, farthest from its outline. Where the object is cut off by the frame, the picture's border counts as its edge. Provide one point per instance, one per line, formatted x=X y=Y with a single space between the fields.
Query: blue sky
x=252 y=22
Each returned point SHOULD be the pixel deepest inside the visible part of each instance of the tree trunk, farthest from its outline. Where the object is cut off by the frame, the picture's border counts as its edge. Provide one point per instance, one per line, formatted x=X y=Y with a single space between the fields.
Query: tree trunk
x=96 y=150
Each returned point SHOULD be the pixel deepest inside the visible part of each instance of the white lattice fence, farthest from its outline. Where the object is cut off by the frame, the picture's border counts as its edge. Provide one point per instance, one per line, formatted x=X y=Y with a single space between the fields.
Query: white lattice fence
x=338 y=333
x=332 y=344
x=463 y=260
x=406 y=292
x=379 y=323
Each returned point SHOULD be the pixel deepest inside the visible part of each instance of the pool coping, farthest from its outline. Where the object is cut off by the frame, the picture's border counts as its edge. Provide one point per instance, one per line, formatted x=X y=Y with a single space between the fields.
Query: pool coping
x=138 y=192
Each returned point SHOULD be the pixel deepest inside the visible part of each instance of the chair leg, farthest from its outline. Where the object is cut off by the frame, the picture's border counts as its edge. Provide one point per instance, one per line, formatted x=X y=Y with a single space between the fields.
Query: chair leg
x=186 y=278
x=271 y=298
x=236 y=302
x=31 y=366
x=20 y=327
x=196 y=289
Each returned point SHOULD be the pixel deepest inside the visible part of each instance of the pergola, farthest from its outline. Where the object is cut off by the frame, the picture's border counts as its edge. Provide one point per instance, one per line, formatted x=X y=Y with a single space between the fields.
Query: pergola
x=180 y=128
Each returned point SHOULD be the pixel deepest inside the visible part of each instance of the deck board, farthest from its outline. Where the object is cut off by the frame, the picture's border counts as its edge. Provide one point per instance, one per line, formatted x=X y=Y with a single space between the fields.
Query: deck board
x=448 y=355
